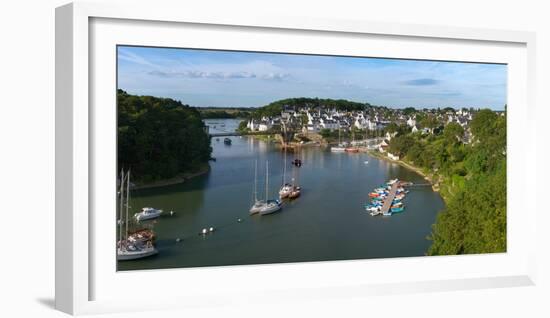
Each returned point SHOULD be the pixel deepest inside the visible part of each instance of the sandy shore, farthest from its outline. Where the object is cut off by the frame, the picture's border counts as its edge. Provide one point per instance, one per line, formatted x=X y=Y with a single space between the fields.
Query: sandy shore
x=427 y=177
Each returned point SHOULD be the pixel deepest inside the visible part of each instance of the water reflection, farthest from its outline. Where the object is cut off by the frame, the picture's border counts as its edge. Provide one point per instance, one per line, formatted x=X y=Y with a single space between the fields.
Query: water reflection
x=327 y=222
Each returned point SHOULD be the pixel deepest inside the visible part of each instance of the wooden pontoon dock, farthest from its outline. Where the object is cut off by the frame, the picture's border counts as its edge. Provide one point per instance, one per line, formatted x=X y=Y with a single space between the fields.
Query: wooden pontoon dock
x=389 y=199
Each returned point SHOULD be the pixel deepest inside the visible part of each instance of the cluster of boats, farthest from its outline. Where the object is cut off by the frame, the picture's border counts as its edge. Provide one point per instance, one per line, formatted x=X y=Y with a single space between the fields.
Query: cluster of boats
x=136 y=244
x=288 y=190
x=387 y=199
x=343 y=147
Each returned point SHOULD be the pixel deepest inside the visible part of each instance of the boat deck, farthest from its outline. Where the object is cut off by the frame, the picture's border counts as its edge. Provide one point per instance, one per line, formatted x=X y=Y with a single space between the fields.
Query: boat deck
x=389 y=199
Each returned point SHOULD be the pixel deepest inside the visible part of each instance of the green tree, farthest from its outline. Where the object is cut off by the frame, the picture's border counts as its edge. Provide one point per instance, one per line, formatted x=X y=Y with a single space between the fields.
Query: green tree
x=159 y=138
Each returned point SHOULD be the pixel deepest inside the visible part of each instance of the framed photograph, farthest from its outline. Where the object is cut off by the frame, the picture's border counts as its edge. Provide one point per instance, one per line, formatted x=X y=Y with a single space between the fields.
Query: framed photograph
x=253 y=158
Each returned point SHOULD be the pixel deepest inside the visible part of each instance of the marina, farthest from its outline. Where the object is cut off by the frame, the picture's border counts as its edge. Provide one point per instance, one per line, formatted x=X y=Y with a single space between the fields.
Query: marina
x=324 y=223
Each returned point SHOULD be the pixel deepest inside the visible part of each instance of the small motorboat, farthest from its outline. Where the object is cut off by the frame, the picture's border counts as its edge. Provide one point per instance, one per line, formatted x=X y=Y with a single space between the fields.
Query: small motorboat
x=297 y=162
x=397 y=209
x=391 y=182
x=147 y=213
x=227 y=141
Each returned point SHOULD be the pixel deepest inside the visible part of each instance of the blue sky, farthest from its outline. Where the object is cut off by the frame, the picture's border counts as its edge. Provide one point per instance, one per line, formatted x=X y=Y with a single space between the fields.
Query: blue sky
x=245 y=79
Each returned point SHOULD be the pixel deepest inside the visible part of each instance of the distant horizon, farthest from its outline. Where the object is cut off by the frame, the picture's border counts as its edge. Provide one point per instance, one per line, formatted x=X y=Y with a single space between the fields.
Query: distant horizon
x=231 y=79
x=390 y=107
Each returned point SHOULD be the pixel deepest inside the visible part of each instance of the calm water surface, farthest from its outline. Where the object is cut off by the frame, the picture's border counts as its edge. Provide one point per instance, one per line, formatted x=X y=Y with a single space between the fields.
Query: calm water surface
x=327 y=222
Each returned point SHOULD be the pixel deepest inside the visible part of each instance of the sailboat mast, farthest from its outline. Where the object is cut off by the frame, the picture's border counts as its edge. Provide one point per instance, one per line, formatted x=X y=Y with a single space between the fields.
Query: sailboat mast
x=284 y=166
x=266 y=179
x=127 y=201
x=121 y=206
x=255 y=181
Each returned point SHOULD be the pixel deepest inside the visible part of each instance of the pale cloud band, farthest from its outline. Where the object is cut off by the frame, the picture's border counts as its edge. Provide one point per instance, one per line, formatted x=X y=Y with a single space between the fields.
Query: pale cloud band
x=228 y=78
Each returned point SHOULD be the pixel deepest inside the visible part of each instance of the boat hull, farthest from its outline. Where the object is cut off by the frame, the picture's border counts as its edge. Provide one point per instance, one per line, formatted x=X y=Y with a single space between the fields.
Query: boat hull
x=123 y=255
x=257 y=207
x=148 y=216
x=271 y=207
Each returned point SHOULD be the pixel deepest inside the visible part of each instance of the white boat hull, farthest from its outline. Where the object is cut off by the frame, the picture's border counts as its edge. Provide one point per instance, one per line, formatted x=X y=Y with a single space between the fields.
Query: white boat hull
x=147 y=216
x=257 y=207
x=125 y=255
x=270 y=208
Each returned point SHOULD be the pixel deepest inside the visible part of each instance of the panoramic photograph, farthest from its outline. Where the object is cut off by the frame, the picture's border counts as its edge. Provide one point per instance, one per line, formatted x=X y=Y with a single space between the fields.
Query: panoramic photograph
x=243 y=158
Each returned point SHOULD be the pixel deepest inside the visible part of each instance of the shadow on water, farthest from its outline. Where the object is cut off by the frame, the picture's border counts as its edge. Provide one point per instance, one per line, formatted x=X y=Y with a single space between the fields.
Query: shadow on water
x=193 y=184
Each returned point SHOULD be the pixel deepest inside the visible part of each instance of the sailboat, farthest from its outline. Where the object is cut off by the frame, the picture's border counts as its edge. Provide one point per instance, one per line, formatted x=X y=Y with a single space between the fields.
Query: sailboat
x=340 y=147
x=269 y=206
x=286 y=188
x=258 y=204
x=353 y=148
x=295 y=189
x=127 y=250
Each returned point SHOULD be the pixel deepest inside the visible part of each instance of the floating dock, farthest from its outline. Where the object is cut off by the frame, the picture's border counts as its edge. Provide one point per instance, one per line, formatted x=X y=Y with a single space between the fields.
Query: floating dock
x=389 y=199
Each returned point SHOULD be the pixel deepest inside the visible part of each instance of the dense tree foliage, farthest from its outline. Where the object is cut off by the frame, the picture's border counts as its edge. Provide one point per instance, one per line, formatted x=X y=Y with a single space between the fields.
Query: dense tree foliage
x=222 y=112
x=159 y=138
x=472 y=179
x=275 y=108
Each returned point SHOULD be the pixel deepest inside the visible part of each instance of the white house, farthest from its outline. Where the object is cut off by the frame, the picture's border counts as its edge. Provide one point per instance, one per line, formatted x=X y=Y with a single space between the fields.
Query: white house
x=389 y=135
x=411 y=122
x=264 y=126
x=252 y=125
x=328 y=124
x=392 y=156
x=383 y=146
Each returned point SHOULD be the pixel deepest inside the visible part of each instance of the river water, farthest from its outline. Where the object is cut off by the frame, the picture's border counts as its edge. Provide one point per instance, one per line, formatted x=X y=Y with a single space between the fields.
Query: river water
x=328 y=221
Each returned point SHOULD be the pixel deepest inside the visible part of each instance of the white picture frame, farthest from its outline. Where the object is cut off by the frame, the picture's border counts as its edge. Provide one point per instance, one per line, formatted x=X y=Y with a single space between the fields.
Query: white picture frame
x=79 y=54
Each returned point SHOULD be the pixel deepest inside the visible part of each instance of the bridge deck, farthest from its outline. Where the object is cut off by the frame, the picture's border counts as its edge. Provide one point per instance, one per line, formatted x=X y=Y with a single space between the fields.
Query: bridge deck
x=229 y=134
x=389 y=199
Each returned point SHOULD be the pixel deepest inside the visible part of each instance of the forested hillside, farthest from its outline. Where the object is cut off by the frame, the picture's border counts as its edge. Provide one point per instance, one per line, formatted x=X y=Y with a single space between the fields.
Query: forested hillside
x=159 y=138
x=472 y=178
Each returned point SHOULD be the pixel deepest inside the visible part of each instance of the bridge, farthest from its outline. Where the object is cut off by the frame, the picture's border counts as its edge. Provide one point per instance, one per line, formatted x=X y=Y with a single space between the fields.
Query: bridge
x=248 y=133
x=286 y=133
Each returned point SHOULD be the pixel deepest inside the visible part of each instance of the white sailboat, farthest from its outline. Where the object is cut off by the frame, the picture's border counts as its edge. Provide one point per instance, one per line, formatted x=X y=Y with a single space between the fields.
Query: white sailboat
x=270 y=206
x=127 y=250
x=258 y=204
x=286 y=188
x=341 y=147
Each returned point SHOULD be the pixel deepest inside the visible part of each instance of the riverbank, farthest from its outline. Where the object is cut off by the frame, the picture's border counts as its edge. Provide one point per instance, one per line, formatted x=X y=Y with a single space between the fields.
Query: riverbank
x=432 y=178
x=204 y=169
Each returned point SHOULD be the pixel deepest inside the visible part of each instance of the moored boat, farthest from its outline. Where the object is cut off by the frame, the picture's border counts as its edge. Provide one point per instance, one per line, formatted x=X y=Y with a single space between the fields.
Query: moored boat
x=139 y=244
x=270 y=206
x=258 y=204
x=147 y=213
x=397 y=209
